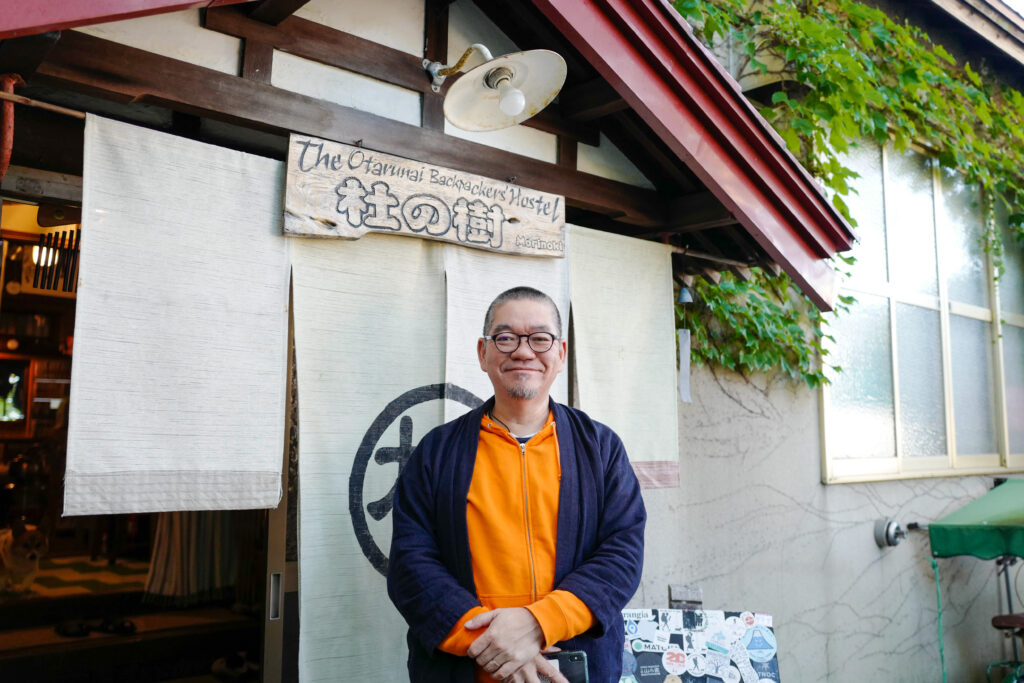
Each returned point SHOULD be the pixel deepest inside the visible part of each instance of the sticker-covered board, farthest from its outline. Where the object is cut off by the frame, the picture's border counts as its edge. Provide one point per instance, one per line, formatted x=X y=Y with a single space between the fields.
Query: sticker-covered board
x=698 y=646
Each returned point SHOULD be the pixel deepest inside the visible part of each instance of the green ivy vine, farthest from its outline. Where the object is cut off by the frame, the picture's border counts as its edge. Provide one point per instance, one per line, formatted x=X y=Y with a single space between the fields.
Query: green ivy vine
x=851 y=73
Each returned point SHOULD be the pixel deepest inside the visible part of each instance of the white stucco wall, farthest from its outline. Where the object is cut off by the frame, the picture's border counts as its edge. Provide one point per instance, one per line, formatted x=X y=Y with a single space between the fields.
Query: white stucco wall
x=608 y=161
x=177 y=35
x=755 y=528
x=395 y=23
x=345 y=88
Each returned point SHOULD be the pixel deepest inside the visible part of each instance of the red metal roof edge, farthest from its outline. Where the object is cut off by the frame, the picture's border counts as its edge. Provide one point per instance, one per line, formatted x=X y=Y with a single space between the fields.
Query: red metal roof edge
x=40 y=17
x=649 y=55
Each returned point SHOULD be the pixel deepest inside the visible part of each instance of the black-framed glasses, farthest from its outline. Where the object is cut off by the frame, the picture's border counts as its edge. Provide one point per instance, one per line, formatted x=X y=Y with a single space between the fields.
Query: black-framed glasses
x=507 y=342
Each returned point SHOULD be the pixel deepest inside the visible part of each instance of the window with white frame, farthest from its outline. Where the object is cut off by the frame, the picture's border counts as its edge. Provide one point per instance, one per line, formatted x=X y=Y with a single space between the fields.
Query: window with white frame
x=932 y=352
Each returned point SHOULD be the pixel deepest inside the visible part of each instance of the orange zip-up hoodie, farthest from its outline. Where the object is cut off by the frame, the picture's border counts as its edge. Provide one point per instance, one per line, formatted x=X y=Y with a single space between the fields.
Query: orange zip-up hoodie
x=512 y=519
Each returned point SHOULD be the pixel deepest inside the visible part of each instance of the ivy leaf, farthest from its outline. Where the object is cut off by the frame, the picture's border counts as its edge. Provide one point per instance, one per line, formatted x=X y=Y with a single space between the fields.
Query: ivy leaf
x=880 y=32
x=802 y=125
x=943 y=55
x=791 y=139
x=984 y=114
x=974 y=78
x=838 y=202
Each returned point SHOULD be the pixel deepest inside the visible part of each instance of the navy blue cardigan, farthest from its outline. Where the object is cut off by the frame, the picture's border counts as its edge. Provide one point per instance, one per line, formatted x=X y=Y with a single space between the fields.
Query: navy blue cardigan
x=599 y=554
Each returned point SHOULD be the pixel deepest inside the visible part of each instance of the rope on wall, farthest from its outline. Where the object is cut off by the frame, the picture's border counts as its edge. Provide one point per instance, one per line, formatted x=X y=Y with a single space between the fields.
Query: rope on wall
x=938 y=599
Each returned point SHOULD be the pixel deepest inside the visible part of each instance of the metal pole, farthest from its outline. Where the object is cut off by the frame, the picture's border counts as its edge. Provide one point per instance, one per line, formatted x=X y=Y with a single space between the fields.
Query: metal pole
x=1006 y=560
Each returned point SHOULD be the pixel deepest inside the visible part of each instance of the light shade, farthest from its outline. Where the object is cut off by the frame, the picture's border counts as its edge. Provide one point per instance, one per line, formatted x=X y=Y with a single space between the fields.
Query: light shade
x=473 y=104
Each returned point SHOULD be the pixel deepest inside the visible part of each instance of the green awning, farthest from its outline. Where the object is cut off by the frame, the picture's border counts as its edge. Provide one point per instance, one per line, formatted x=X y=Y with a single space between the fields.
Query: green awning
x=988 y=527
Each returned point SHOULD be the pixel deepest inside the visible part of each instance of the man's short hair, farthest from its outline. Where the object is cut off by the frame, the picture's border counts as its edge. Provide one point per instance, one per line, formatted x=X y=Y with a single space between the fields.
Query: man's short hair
x=516 y=294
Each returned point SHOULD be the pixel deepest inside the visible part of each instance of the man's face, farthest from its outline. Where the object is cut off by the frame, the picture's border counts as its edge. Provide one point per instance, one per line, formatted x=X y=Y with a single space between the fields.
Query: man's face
x=522 y=374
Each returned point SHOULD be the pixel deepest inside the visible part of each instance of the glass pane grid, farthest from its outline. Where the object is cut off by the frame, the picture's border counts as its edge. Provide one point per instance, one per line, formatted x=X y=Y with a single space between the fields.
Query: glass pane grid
x=860 y=422
x=910 y=221
x=922 y=405
x=974 y=400
x=1013 y=362
x=942 y=356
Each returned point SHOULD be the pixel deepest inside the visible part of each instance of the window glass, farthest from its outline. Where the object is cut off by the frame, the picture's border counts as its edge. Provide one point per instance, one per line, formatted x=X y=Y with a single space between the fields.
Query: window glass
x=1013 y=359
x=1011 y=282
x=919 y=358
x=868 y=208
x=960 y=224
x=911 y=223
x=974 y=405
x=861 y=421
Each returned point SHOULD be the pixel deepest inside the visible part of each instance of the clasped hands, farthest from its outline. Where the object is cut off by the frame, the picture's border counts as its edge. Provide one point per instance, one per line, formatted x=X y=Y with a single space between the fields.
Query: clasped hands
x=510 y=648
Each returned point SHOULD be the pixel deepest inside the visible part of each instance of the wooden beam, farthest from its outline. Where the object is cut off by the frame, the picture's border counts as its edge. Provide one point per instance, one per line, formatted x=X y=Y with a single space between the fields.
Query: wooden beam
x=31 y=18
x=114 y=71
x=550 y=121
x=701 y=209
x=47 y=141
x=567 y=152
x=591 y=100
x=435 y=48
x=275 y=11
x=330 y=46
x=326 y=45
x=31 y=183
x=711 y=250
x=23 y=55
x=257 y=60
x=704 y=256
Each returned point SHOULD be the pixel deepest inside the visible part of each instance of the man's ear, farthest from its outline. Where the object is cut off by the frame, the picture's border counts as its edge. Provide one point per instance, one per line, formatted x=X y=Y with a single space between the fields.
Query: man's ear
x=481 y=348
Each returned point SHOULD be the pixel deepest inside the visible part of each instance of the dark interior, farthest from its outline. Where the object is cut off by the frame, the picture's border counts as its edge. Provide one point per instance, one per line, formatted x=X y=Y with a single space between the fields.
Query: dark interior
x=108 y=597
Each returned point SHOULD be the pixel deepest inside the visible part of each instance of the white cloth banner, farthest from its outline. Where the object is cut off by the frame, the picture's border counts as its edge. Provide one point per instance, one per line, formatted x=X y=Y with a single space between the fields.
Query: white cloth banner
x=684 y=366
x=624 y=339
x=369 y=346
x=473 y=280
x=178 y=377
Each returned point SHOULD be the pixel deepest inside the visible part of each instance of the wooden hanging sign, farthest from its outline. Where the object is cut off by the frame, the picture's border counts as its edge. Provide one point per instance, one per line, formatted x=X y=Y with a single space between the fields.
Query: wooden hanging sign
x=336 y=190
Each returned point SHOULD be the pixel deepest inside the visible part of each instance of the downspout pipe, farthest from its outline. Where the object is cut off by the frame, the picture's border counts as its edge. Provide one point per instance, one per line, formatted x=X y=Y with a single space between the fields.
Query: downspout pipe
x=7 y=83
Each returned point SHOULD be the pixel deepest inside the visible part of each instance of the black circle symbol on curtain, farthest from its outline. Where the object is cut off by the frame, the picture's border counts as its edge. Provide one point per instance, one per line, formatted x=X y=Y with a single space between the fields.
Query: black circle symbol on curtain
x=384 y=455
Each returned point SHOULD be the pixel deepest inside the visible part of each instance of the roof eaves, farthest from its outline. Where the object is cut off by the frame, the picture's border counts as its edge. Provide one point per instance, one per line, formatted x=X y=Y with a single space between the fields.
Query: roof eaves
x=993 y=20
x=648 y=53
x=40 y=17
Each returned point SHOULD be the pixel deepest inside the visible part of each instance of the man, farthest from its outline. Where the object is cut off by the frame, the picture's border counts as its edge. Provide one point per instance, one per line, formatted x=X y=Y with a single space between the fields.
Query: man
x=518 y=527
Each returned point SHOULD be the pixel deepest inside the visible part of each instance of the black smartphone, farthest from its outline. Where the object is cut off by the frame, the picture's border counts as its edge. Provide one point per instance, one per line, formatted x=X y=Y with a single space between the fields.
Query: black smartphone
x=572 y=665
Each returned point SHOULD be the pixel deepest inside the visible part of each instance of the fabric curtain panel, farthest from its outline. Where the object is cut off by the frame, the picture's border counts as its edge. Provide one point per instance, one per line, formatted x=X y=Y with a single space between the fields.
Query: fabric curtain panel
x=624 y=340
x=369 y=355
x=178 y=379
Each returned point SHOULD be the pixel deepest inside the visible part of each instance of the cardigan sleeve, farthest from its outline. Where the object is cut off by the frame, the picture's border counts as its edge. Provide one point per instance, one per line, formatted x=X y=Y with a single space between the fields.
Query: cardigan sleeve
x=419 y=583
x=609 y=573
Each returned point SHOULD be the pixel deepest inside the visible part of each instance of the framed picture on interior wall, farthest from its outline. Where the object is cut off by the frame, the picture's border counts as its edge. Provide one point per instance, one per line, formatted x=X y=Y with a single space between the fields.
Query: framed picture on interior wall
x=15 y=396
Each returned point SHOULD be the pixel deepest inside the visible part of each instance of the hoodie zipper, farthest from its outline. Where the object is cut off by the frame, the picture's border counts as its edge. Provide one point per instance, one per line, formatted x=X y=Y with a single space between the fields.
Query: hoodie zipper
x=529 y=538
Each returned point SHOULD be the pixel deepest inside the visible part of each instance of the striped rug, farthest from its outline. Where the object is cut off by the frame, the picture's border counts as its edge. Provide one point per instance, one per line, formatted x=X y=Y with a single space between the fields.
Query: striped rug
x=82 y=576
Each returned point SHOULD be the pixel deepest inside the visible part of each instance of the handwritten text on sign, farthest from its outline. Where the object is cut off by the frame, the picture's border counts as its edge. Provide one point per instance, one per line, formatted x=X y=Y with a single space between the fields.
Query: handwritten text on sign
x=335 y=190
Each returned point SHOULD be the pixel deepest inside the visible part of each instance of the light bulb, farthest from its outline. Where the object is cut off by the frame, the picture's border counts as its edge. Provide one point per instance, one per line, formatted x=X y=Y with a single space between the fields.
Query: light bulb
x=45 y=255
x=511 y=100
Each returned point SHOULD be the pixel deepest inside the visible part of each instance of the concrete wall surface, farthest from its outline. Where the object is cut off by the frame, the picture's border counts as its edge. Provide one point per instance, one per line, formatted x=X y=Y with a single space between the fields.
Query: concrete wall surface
x=753 y=525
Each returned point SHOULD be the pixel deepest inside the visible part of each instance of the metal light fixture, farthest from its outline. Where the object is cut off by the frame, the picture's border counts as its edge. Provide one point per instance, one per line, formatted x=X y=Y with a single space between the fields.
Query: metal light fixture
x=500 y=92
